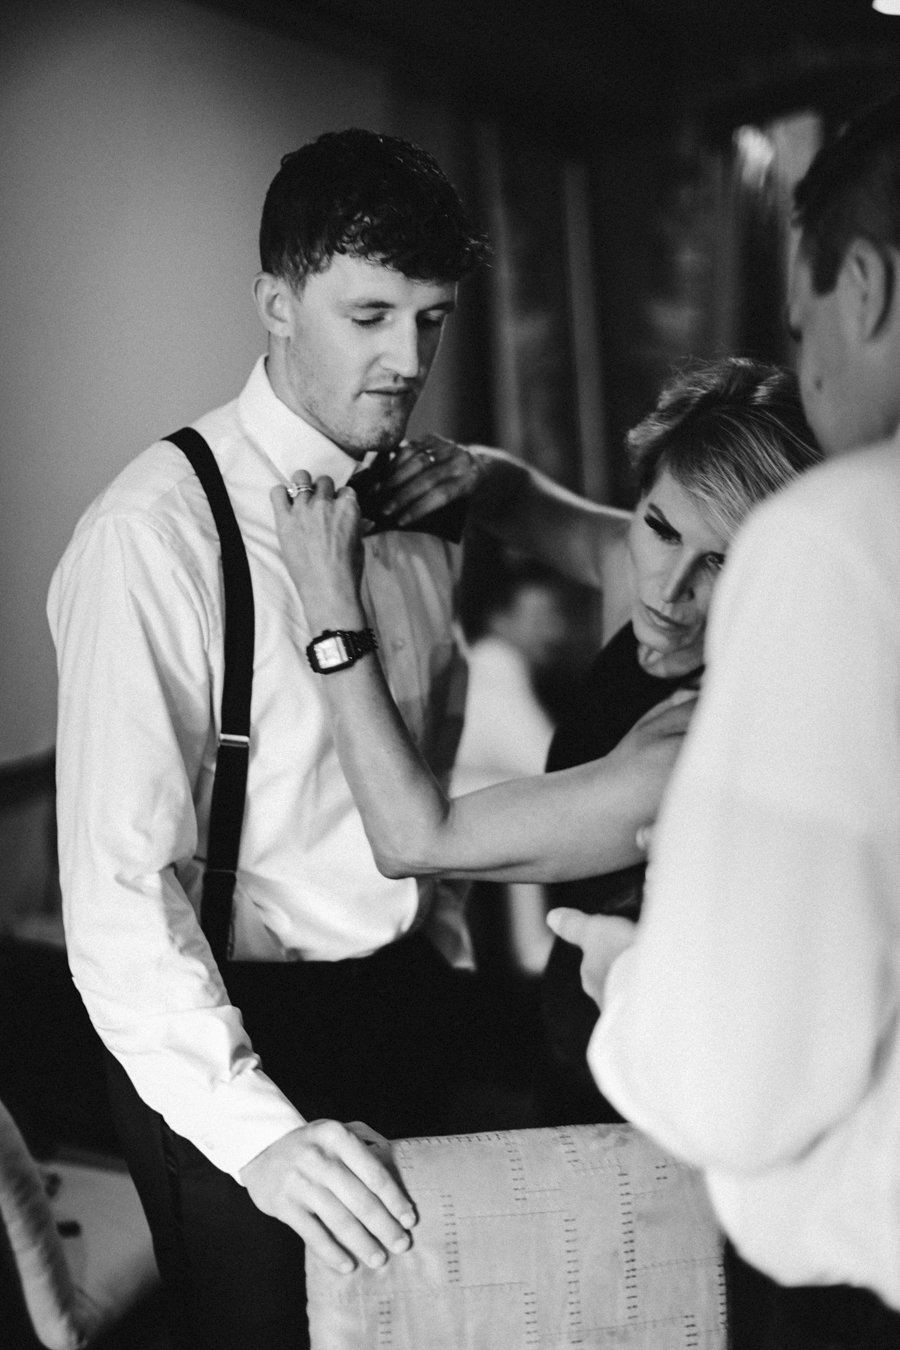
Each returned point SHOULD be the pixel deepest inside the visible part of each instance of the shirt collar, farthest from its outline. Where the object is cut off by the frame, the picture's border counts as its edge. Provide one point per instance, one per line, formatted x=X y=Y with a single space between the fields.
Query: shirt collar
x=285 y=438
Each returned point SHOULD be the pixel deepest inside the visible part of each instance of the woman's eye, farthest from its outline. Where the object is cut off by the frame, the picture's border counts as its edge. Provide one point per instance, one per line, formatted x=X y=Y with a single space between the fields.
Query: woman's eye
x=369 y=322
x=660 y=528
x=715 y=562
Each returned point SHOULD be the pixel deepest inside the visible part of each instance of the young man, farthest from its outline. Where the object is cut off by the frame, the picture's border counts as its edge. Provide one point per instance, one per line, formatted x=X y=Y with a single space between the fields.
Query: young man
x=231 y=1088
x=754 y=1027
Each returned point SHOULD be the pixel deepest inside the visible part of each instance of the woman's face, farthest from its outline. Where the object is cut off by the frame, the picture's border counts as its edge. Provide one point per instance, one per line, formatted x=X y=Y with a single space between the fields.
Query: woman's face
x=677 y=555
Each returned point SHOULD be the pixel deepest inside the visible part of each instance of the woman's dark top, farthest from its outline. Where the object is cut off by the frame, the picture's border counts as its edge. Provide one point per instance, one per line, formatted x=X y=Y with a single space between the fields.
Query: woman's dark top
x=615 y=694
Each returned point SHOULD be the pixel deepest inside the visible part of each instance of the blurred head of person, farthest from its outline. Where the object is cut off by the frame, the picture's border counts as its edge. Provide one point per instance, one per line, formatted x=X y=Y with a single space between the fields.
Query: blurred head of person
x=844 y=303
x=522 y=602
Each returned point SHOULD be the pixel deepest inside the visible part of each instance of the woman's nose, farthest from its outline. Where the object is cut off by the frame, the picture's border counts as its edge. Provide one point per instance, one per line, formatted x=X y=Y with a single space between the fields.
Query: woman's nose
x=679 y=584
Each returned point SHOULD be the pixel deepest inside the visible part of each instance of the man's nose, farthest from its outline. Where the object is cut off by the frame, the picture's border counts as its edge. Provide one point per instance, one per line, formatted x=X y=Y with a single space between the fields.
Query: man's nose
x=401 y=355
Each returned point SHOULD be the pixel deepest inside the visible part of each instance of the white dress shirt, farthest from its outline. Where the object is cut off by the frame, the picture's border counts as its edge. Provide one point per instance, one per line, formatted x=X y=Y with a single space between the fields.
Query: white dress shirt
x=135 y=608
x=753 y=1027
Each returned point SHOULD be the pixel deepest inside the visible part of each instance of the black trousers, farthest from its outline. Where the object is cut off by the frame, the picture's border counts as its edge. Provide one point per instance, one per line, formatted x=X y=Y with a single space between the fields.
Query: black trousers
x=396 y=1040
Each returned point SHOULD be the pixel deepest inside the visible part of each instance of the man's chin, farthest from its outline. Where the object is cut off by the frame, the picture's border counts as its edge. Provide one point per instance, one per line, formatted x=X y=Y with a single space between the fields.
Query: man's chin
x=381 y=438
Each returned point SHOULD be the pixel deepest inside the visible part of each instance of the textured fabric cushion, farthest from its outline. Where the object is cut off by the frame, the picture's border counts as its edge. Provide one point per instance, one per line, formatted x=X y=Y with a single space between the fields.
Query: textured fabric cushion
x=532 y=1239
x=77 y=1285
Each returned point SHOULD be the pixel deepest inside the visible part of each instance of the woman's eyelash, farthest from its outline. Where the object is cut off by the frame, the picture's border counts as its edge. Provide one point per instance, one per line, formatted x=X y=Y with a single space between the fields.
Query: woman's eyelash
x=659 y=527
x=664 y=530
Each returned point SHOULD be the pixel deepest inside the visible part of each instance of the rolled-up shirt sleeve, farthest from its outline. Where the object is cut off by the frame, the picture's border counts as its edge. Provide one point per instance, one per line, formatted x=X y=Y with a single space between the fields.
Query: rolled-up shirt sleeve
x=135 y=749
x=748 y=1016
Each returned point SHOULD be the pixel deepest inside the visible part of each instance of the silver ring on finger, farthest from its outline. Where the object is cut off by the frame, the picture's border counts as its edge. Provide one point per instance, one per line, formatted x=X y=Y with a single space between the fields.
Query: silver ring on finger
x=294 y=489
x=429 y=455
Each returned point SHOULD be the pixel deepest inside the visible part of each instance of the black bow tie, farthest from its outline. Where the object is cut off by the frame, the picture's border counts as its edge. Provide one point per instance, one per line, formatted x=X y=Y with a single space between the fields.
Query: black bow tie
x=447 y=522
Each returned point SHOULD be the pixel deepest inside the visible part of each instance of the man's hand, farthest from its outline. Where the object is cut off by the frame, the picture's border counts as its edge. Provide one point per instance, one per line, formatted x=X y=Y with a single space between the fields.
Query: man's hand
x=323 y=1181
x=429 y=472
x=602 y=937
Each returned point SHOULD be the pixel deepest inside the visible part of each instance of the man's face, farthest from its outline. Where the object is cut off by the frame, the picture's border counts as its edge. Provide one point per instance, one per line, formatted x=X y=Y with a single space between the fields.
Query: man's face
x=842 y=391
x=816 y=326
x=360 y=342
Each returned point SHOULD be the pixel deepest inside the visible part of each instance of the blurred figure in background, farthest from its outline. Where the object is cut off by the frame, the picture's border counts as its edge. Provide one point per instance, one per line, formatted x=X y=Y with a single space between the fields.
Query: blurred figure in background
x=520 y=633
x=517 y=617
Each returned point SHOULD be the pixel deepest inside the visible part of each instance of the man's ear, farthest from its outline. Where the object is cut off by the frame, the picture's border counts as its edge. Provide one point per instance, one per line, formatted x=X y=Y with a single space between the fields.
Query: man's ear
x=867 y=282
x=273 y=301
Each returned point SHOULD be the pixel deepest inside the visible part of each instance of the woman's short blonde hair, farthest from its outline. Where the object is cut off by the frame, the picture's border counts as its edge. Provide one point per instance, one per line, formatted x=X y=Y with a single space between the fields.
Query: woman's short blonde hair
x=730 y=432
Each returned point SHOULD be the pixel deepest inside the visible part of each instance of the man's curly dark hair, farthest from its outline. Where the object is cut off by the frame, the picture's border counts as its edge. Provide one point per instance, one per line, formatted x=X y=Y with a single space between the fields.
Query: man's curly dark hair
x=368 y=196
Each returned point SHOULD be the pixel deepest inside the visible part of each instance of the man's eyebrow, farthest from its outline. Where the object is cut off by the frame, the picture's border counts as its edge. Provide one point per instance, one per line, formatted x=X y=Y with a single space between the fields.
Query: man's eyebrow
x=365 y=302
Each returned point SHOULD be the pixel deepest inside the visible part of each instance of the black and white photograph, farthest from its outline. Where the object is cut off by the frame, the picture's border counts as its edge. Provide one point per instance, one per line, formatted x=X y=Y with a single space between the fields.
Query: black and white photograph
x=450 y=675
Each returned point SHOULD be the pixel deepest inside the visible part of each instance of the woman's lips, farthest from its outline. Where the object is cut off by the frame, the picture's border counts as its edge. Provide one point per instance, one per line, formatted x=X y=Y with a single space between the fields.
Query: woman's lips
x=662 y=621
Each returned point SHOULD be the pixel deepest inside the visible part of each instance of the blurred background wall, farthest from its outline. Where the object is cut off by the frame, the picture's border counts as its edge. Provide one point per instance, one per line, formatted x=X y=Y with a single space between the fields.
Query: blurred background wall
x=138 y=142
x=632 y=160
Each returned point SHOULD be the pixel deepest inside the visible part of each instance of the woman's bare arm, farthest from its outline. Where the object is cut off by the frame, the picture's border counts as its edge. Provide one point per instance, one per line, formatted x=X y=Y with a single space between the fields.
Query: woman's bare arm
x=575 y=823
x=553 y=827
x=523 y=507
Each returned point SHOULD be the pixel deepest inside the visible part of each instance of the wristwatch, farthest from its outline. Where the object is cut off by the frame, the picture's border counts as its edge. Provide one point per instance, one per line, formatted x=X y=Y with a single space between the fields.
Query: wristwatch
x=338 y=648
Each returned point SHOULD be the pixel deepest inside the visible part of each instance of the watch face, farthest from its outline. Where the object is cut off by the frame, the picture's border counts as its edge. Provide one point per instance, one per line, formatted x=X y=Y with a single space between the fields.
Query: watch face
x=331 y=652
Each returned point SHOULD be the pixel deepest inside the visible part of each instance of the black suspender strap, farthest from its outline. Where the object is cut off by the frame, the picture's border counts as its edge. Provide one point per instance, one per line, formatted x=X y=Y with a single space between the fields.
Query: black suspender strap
x=230 y=782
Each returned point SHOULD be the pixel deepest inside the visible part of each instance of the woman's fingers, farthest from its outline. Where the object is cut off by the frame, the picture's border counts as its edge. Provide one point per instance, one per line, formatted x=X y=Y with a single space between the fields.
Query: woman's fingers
x=305 y=489
x=303 y=495
x=643 y=838
x=672 y=716
x=427 y=474
x=318 y=529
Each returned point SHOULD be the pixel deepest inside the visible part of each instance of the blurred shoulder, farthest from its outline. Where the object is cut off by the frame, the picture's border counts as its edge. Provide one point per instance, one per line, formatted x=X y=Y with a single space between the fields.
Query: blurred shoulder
x=824 y=551
x=850 y=501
